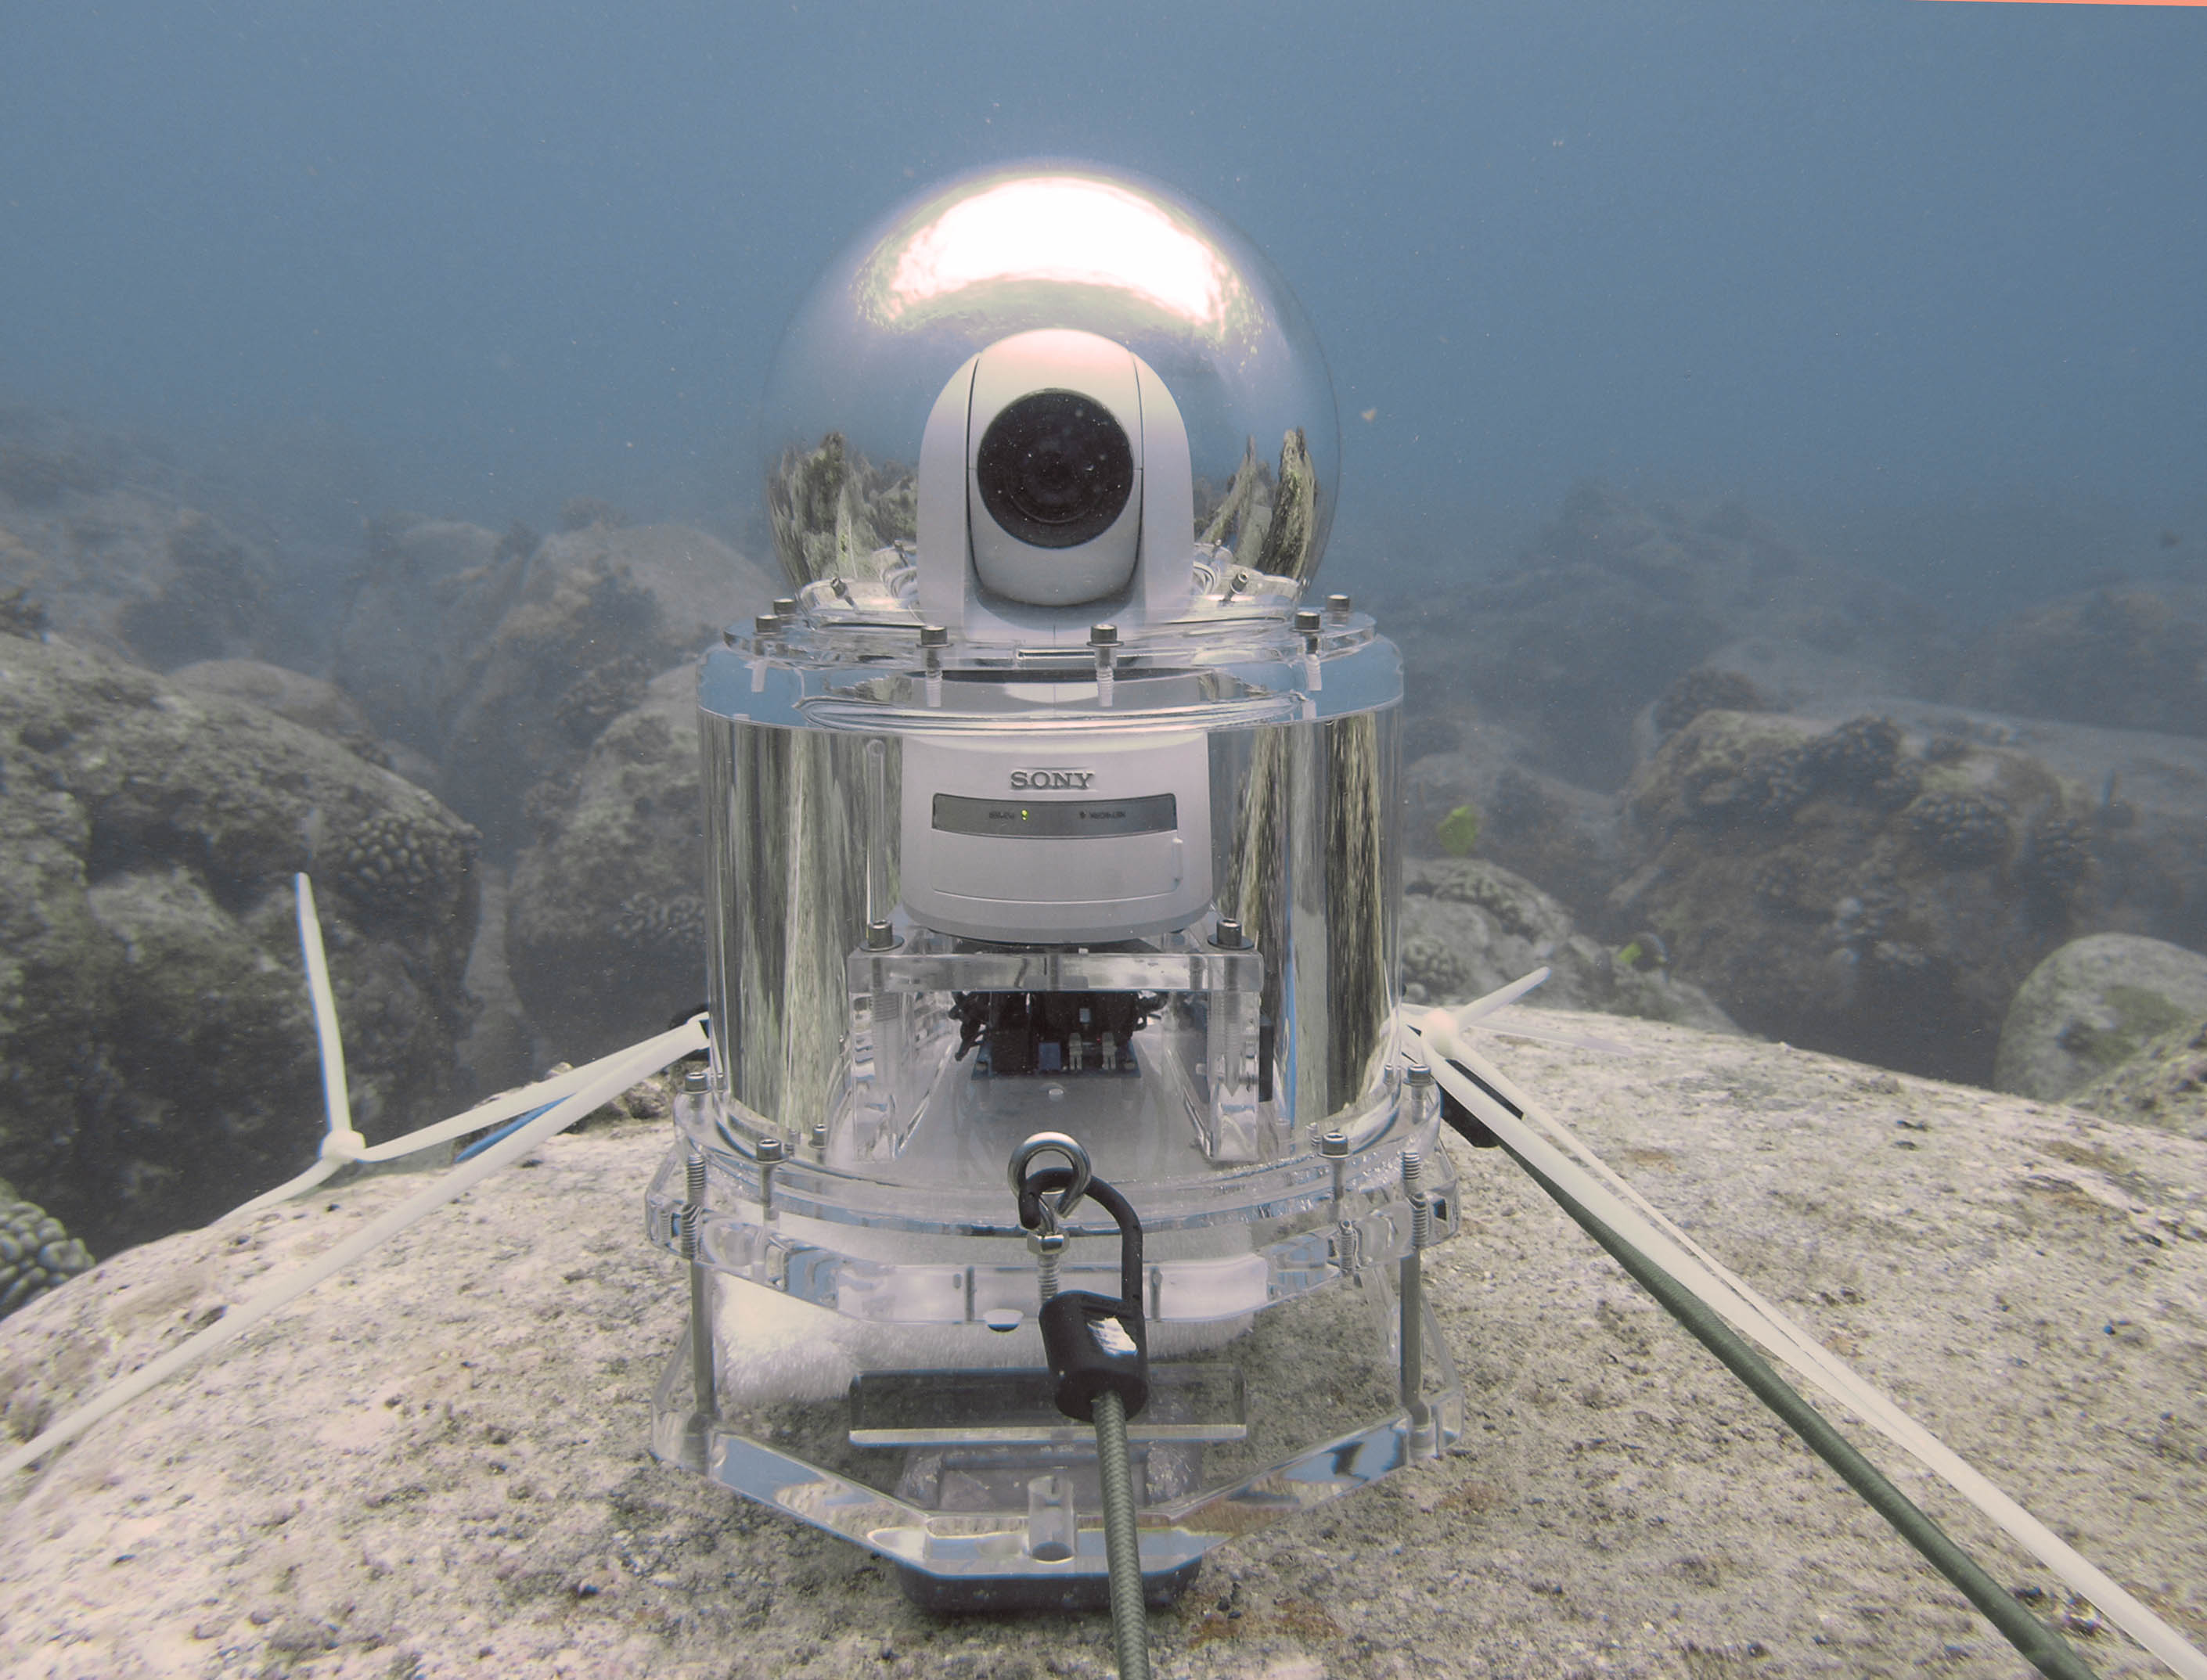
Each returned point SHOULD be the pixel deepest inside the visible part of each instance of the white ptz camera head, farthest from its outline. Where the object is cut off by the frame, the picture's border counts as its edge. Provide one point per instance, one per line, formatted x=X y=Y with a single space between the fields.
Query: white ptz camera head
x=1055 y=492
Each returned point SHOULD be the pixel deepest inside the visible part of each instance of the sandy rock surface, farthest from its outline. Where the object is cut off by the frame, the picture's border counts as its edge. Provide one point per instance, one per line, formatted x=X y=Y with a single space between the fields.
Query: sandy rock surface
x=439 y=1469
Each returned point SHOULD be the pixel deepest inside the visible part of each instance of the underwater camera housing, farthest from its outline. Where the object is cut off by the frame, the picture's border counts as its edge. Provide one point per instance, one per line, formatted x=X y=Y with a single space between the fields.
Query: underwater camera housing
x=1042 y=805
x=1055 y=492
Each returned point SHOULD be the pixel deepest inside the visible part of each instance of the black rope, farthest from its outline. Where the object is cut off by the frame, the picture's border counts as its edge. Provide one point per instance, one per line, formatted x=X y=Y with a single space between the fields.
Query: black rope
x=1044 y=1179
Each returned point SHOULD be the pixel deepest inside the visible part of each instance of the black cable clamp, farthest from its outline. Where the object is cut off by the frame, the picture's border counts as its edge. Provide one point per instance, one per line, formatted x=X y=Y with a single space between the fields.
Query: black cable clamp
x=1095 y=1344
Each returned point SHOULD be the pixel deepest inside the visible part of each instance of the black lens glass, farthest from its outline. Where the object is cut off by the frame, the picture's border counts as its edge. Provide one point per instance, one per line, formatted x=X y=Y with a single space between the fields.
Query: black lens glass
x=1055 y=470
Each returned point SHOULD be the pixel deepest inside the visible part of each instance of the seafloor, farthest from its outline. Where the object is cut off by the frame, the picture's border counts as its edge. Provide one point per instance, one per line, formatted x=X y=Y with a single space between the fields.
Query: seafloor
x=1735 y=796
x=436 y=1466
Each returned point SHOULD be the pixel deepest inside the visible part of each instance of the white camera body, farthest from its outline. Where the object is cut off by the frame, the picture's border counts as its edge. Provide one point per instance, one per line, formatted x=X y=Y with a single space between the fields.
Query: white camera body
x=1055 y=494
x=1032 y=838
x=989 y=584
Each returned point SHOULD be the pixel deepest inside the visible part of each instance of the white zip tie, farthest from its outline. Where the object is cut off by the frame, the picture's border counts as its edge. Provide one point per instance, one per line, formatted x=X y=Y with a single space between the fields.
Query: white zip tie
x=1500 y=998
x=1473 y=1014
x=619 y=1071
x=284 y=1192
x=487 y=1112
x=340 y=1142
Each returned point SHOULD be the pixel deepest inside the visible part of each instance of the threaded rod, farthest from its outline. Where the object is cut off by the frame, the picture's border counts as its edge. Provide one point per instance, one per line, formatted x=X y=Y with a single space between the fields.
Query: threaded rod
x=1123 y=1542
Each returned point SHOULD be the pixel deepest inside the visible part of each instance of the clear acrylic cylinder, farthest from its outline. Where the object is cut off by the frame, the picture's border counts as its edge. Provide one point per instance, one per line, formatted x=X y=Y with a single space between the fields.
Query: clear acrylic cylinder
x=877 y=1369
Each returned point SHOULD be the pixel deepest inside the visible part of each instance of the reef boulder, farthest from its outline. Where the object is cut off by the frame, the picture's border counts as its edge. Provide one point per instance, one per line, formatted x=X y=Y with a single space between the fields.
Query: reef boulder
x=1859 y=888
x=157 y=1057
x=1470 y=926
x=2125 y=656
x=118 y=548
x=424 y=598
x=2091 y=1007
x=1609 y=605
x=605 y=934
x=2140 y=799
x=2164 y=1084
x=308 y=701
x=1564 y=837
x=502 y=658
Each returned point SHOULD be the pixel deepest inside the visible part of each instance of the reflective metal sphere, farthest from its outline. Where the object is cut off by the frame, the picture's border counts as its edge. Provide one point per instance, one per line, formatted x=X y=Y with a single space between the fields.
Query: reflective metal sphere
x=1010 y=249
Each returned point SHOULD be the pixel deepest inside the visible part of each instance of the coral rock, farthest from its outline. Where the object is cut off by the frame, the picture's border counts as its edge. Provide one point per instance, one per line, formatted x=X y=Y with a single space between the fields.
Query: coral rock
x=2126 y=657
x=1613 y=604
x=605 y=928
x=157 y=1058
x=1779 y=862
x=1702 y=690
x=1959 y=829
x=2091 y=1006
x=36 y=1253
x=1470 y=926
x=501 y=661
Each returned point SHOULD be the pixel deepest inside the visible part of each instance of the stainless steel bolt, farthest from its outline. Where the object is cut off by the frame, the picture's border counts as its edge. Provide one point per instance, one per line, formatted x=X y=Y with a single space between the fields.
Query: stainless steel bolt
x=1334 y=1147
x=771 y=1153
x=1046 y=1246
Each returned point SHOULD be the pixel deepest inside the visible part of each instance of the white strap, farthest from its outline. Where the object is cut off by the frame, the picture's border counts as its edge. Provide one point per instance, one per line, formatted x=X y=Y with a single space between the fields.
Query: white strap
x=1614 y=1201
x=602 y=1080
x=340 y=1140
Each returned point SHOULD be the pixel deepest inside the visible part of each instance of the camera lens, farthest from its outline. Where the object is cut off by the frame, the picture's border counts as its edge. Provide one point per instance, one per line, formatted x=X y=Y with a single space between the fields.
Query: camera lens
x=1055 y=470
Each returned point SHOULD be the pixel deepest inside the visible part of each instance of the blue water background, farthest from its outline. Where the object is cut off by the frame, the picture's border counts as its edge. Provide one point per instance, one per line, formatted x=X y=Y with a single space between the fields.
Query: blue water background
x=1929 y=280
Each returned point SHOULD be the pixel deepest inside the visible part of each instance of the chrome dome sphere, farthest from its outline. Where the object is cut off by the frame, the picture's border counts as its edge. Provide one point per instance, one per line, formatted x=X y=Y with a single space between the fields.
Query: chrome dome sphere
x=1013 y=248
